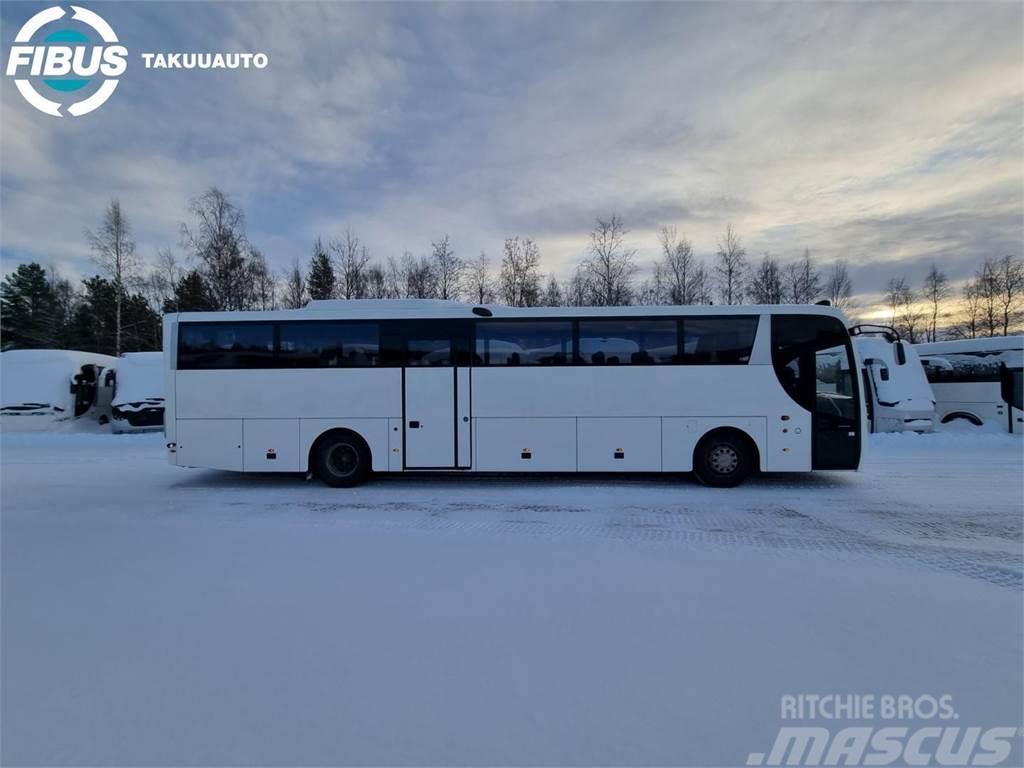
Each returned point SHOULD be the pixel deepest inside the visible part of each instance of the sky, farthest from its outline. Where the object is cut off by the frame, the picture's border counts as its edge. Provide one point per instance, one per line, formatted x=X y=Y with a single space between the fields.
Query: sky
x=889 y=134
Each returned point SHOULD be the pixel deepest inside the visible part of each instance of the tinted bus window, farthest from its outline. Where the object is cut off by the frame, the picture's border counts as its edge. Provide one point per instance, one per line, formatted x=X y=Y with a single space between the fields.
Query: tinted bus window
x=329 y=345
x=547 y=342
x=628 y=342
x=225 y=345
x=718 y=340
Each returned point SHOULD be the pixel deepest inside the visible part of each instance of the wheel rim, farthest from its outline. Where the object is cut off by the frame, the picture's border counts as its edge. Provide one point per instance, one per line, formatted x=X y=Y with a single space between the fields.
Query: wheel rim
x=723 y=459
x=342 y=460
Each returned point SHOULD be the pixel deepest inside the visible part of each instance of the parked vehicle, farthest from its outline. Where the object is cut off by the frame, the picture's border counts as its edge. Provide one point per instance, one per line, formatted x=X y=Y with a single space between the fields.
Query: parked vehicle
x=896 y=392
x=977 y=382
x=343 y=388
x=138 y=403
x=41 y=386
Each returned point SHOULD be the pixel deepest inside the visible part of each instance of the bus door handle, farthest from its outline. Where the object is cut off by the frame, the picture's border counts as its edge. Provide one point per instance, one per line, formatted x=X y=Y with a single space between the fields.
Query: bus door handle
x=414 y=425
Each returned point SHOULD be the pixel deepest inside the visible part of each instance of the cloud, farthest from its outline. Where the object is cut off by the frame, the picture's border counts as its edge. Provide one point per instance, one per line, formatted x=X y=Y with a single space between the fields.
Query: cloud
x=885 y=134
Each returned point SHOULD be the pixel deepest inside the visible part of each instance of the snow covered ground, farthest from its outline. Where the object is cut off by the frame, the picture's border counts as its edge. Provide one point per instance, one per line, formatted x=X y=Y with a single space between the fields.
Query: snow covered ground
x=155 y=615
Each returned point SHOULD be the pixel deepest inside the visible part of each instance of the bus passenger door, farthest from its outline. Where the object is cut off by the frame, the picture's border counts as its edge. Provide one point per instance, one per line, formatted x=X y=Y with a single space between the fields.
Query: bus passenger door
x=436 y=412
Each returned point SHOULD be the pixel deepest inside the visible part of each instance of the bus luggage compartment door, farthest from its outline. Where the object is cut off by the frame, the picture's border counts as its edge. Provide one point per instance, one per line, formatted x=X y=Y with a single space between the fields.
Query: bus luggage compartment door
x=429 y=418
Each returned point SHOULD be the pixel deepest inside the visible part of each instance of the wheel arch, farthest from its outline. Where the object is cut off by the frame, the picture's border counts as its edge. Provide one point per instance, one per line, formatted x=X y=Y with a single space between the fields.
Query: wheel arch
x=336 y=432
x=974 y=418
x=745 y=437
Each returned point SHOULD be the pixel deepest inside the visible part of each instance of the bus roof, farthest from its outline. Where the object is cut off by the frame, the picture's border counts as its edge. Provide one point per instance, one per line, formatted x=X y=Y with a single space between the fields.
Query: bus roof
x=427 y=309
x=963 y=346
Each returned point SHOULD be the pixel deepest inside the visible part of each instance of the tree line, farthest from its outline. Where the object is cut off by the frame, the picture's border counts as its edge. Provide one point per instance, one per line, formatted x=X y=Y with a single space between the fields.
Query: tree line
x=119 y=309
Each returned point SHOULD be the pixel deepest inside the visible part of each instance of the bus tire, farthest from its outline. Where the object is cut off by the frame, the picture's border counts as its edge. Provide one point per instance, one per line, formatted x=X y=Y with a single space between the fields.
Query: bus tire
x=723 y=458
x=342 y=459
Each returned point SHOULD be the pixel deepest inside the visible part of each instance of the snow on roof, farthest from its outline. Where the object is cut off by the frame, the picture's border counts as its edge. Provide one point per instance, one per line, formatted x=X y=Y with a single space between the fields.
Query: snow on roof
x=962 y=346
x=380 y=309
x=140 y=378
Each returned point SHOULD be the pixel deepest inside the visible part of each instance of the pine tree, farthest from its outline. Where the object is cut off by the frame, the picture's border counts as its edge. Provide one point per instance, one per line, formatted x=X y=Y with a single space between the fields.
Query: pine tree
x=27 y=309
x=191 y=295
x=320 y=282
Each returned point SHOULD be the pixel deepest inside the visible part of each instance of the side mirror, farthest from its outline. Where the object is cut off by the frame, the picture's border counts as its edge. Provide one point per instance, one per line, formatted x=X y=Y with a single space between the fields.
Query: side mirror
x=901 y=353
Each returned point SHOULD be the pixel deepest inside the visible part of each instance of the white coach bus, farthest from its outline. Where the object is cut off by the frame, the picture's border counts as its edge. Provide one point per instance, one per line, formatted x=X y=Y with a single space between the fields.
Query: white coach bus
x=345 y=388
x=897 y=395
x=977 y=382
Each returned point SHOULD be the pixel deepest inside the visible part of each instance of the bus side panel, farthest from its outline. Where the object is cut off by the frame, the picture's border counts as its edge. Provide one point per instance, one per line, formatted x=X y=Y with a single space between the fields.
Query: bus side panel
x=271 y=445
x=282 y=393
x=210 y=443
x=619 y=445
x=525 y=445
x=789 y=442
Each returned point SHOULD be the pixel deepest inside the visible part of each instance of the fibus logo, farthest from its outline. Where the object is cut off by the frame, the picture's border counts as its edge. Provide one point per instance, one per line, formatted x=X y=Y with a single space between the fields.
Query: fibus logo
x=65 y=60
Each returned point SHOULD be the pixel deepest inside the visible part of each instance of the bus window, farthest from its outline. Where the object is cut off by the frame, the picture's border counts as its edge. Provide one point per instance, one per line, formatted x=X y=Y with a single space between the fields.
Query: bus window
x=718 y=340
x=429 y=352
x=329 y=345
x=225 y=345
x=545 y=342
x=628 y=342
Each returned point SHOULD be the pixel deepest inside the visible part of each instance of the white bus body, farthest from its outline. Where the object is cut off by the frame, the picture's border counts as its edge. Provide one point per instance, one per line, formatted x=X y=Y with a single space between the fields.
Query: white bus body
x=138 y=402
x=428 y=385
x=977 y=382
x=41 y=386
x=896 y=391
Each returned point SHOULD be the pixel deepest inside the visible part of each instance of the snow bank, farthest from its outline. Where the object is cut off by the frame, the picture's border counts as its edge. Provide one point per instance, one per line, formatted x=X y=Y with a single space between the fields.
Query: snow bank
x=39 y=380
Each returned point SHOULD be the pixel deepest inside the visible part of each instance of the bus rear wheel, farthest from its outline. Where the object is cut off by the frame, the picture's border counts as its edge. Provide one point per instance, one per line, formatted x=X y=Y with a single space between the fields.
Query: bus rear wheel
x=722 y=460
x=342 y=460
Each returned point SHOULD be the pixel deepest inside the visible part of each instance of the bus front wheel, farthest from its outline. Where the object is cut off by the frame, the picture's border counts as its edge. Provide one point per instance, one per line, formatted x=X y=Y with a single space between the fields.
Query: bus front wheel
x=342 y=460
x=723 y=459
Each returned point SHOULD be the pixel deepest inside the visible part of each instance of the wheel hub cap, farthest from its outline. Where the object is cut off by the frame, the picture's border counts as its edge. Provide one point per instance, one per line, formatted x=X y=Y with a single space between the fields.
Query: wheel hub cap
x=723 y=459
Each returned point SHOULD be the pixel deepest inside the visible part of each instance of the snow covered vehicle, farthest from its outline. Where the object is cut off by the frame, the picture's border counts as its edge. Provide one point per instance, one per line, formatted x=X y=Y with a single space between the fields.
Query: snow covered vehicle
x=138 y=403
x=39 y=387
x=896 y=391
x=346 y=388
x=977 y=382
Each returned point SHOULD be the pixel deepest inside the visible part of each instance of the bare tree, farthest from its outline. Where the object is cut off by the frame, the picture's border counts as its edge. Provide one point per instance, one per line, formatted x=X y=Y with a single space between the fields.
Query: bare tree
x=114 y=252
x=394 y=279
x=576 y=291
x=935 y=292
x=1009 y=271
x=449 y=270
x=802 y=281
x=552 y=296
x=294 y=294
x=969 y=326
x=479 y=284
x=838 y=286
x=376 y=282
x=608 y=269
x=895 y=290
x=217 y=241
x=731 y=267
x=907 y=316
x=765 y=285
x=679 y=277
x=990 y=292
x=352 y=260
x=419 y=277
x=520 y=273
x=264 y=287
